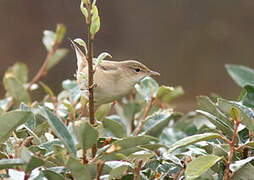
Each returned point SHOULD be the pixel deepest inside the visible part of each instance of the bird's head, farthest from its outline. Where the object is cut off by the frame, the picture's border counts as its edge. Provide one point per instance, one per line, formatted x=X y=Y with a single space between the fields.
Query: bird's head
x=136 y=71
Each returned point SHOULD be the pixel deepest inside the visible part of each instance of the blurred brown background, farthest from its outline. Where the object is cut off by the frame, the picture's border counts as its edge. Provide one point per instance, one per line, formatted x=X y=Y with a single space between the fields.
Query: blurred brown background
x=187 y=41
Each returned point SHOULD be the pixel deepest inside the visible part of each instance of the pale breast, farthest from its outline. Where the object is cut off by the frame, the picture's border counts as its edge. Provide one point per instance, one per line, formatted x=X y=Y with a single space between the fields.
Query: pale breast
x=111 y=83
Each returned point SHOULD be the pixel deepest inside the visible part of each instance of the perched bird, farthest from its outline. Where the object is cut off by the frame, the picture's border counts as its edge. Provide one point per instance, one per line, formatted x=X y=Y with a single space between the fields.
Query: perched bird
x=112 y=79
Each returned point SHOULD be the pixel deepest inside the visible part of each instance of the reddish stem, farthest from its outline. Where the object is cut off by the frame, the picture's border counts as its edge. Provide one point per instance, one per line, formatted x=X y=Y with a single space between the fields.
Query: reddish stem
x=137 y=170
x=42 y=72
x=227 y=174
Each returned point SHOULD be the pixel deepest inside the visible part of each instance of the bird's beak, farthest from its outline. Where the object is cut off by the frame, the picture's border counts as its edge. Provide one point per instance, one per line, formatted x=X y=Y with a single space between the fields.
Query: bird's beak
x=154 y=73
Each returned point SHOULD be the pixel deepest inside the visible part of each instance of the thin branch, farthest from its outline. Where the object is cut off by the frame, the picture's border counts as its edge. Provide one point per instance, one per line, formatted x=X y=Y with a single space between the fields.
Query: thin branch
x=85 y=161
x=147 y=109
x=42 y=72
x=100 y=166
x=137 y=170
x=227 y=174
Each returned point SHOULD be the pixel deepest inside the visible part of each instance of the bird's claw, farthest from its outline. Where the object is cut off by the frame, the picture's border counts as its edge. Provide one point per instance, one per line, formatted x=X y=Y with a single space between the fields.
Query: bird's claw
x=92 y=86
x=88 y=87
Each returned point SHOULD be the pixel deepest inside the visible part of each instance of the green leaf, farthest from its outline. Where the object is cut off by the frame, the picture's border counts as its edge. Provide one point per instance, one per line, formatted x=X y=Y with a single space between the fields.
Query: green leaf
x=166 y=94
x=101 y=57
x=31 y=161
x=10 y=121
x=250 y=144
x=134 y=141
x=242 y=75
x=78 y=170
x=94 y=2
x=92 y=168
x=147 y=88
x=246 y=114
x=239 y=164
x=86 y=135
x=200 y=165
x=1 y=111
x=61 y=131
x=40 y=129
x=94 y=9
x=245 y=173
x=47 y=89
x=73 y=90
x=83 y=9
x=221 y=125
x=220 y=150
x=20 y=71
x=48 y=39
x=56 y=58
x=51 y=175
x=157 y=122
x=82 y=43
x=118 y=172
x=84 y=1
x=193 y=139
x=235 y=114
x=48 y=146
x=248 y=99
x=116 y=155
x=31 y=123
x=10 y=163
x=130 y=109
x=95 y=24
x=117 y=129
x=15 y=89
x=153 y=147
x=125 y=147
x=205 y=104
x=60 y=33
x=102 y=111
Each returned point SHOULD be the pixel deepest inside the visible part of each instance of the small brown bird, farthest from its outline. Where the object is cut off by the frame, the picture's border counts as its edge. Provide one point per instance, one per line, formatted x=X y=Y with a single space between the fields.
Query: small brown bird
x=112 y=79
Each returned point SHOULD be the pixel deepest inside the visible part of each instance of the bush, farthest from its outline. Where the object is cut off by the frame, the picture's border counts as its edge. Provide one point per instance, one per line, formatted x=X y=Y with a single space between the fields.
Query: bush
x=138 y=137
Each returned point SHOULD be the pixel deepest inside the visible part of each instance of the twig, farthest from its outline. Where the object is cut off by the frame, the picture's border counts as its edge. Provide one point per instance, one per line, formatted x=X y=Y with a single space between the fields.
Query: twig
x=94 y=150
x=147 y=109
x=82 y=110
x=42 y=72
x=137 y=170
x=85 y=161
x=250 y=135
x=232 y=150
x=100 y=166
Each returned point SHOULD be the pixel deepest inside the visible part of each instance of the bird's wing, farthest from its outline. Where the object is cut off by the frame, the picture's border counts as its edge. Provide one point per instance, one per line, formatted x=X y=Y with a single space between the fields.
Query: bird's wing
x=108 y=66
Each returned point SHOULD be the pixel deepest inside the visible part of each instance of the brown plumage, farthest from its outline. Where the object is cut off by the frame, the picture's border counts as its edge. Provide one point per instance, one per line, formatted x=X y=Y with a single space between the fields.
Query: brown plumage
x=113 y=79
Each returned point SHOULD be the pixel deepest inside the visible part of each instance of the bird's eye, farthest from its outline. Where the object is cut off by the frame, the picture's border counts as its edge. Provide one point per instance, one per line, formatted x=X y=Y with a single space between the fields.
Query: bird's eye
x=137 y=69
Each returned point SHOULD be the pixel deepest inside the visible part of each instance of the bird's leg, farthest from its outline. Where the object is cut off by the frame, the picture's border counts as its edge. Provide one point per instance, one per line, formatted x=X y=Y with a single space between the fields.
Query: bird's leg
x=86 y=87
x=92 y=86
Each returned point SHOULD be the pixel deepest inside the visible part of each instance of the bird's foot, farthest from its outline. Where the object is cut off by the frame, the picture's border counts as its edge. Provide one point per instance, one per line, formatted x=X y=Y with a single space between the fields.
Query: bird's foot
x=92 y=86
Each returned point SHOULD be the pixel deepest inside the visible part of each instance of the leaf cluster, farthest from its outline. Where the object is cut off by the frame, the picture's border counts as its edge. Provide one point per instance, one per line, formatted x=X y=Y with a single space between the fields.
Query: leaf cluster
x=137 y=137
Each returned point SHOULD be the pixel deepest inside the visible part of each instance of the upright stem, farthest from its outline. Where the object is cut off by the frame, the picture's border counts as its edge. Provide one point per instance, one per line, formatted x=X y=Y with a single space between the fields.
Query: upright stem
x=90 y=66
x=90 y=71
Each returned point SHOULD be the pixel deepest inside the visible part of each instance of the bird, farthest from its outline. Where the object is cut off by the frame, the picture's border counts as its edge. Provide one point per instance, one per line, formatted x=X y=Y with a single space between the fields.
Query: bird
x=112 y=79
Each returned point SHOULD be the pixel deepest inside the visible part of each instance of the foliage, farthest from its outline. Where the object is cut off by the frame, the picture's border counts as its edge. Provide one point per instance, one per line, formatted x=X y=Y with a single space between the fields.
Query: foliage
x=138 y=137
